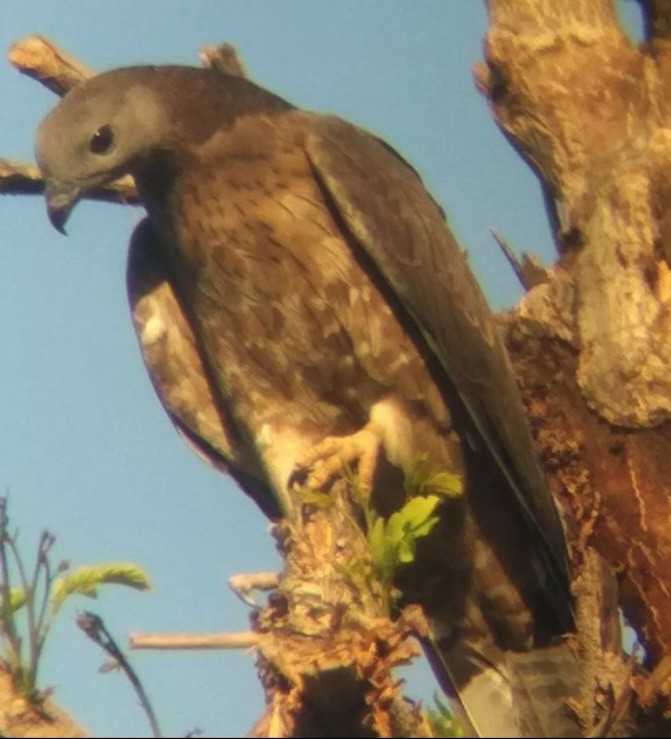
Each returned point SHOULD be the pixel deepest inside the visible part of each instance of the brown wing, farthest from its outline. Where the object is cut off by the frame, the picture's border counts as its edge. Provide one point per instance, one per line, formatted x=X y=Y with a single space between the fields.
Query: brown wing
x=178 y=374
x=401 y=235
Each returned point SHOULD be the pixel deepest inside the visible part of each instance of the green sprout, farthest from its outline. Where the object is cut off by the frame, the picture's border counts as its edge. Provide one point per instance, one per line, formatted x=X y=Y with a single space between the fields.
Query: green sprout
x=442 y=721
x=29 y=607
x=393 y=541
x=421 y=481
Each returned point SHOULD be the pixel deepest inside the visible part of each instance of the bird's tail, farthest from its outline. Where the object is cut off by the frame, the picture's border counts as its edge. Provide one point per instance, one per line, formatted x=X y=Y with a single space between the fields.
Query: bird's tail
x=510 y=694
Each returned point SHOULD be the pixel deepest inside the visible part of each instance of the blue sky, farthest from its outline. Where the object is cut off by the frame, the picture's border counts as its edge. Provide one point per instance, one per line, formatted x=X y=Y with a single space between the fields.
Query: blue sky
x=85 y=448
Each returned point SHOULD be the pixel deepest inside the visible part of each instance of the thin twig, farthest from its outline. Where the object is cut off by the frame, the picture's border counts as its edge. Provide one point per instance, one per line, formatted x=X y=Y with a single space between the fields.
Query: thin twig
x=529 y=271
x=29 y=590
x=92 y=625
x=552 y=211
x=8 y=622
x=246 y=582
x=232 y=640
x=35 y=633
x=512 y=258
x=45 y=546
x=224 y=58
x=19 y=178
x=42 y=60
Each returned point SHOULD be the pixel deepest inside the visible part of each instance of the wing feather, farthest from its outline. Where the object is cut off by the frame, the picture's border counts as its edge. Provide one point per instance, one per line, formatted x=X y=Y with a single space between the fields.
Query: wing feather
x=402 y=231
x=178 y=373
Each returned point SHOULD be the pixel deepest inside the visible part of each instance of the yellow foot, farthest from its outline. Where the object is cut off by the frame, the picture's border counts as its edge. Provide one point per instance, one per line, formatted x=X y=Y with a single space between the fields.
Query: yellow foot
x=326 y=462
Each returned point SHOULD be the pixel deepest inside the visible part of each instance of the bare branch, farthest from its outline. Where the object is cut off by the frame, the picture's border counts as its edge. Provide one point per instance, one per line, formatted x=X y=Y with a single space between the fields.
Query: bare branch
x=19 y=178
x=528 y=270
x=42 y=60
x=233 y=640
x=223 y=58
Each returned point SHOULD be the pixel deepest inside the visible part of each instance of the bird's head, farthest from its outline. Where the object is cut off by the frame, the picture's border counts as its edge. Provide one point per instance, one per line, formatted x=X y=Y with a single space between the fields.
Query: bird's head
x=112 y=124
x=96 y=134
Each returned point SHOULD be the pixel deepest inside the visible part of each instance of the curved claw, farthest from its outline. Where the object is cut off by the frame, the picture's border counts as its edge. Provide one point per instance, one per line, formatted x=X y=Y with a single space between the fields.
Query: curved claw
x=328 y=461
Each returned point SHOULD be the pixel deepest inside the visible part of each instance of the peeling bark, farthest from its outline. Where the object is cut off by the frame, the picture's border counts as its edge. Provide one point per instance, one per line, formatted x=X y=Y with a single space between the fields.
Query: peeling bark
x=591 y=113
x=328 y=648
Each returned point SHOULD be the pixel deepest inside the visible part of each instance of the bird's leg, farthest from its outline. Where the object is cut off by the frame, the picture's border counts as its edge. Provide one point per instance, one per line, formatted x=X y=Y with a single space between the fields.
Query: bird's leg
x=320 y=466
x=389 y=428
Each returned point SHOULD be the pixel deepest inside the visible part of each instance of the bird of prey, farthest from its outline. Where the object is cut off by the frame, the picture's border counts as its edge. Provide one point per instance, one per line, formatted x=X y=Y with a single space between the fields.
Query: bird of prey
x=300 y=301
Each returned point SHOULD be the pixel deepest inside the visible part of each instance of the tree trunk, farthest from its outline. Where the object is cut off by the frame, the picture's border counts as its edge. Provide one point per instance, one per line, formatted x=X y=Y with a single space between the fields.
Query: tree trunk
x=590 y=112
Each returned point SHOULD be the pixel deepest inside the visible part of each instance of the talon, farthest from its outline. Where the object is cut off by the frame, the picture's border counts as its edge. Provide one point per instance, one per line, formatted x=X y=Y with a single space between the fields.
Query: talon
x=326 y=462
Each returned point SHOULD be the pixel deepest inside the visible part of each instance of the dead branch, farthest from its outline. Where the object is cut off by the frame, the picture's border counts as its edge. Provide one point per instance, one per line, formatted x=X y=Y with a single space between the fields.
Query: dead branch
x=224 y=58
x=237 y=640
x=37 y=57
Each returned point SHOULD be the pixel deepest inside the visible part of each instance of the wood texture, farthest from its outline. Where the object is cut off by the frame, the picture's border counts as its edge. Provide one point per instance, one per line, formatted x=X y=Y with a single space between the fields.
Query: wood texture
x=590 y=112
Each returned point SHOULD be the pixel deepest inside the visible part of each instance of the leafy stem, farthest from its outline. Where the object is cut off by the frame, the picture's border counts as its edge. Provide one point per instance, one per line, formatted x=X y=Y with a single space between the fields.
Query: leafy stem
x=38 y=597
x=393 y=541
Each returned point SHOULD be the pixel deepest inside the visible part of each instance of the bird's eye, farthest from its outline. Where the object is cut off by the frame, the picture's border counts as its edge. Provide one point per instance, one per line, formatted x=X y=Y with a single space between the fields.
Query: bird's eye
x=102 y=140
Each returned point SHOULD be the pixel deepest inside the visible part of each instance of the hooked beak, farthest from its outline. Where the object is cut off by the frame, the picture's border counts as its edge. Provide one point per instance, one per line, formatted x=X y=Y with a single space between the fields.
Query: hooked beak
x=61 y=199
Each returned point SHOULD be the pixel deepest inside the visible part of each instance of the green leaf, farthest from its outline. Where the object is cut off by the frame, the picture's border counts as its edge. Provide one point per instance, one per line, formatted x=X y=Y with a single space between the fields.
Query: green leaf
x=415 y=519
x=17 y=599
x=86 y=580
x=445 y=483
x=378 y=549
x=416 y=477
x=406 y=551
x=442 y=721
x=421 y=481
x=393 y=542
